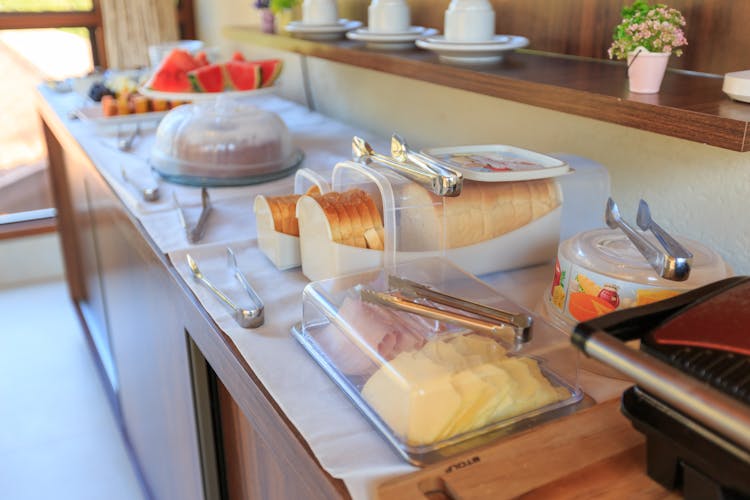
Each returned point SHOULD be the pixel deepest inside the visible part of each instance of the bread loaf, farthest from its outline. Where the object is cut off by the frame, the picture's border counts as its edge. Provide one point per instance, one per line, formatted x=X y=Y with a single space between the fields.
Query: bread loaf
x=352 y=216
x=483 y=211
x=284 y=210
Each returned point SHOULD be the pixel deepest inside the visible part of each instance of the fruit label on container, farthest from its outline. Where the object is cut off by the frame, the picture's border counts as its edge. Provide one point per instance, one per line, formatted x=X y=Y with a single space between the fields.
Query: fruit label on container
x=580 y=294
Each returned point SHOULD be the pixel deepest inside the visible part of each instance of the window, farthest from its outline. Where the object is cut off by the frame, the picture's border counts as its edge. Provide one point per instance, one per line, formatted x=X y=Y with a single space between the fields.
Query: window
x=43 y=40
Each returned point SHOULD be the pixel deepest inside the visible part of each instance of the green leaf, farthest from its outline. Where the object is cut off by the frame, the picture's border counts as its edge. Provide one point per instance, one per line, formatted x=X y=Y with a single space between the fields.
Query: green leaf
x=279 y=5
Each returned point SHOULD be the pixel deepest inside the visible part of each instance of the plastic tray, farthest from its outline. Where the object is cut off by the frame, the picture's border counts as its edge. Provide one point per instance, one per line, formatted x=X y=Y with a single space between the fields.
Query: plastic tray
x=430 y=388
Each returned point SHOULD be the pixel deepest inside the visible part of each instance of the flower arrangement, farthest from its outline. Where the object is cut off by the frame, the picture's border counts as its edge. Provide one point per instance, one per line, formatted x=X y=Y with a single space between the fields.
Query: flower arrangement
x=655 y=28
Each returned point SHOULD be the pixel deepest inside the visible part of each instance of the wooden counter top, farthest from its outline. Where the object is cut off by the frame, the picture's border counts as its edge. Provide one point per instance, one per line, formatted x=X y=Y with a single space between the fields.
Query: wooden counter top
x=690 y=106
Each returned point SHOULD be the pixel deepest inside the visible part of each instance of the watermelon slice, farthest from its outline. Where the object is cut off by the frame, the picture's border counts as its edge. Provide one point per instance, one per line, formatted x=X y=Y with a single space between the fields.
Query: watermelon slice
x=171 y=75
x=269 y=70
x=208 y=78
x=237 y=56
x=242 y=75
x=201 y=59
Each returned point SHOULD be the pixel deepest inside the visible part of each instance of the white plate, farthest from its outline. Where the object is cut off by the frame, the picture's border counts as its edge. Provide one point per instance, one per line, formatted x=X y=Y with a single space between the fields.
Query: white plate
x=321 y=31
x=386 y=41
x=737 y=85
x=493 y=41
x=521 y=164
x=202 y=96
x=94 y=115
x=473 y=53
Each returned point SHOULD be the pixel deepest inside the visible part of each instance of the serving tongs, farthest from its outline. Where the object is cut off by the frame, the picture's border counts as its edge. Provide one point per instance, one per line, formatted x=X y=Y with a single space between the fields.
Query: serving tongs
x=428 y=178
x=195 y=234
x=451 y=180
x=148 y=193
x=673 y=263
x=125 y=142
x=246 y=318
x=485 y=319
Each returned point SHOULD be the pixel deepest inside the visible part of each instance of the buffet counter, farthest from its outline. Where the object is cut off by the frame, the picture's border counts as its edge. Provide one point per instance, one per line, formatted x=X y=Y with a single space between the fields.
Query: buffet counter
x=254 y=398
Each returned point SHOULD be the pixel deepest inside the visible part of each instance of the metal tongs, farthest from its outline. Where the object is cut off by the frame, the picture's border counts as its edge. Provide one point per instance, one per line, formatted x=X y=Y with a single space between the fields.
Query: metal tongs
x=487 y=319
x=428 y=172
x=195 y=234
x=125 y=142
x=673 y=263
x=246 y=318
x=148 y=193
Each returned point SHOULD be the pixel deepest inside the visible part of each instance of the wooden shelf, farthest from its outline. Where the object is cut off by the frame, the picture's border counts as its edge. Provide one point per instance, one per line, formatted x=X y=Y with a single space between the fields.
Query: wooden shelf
x=690 y=106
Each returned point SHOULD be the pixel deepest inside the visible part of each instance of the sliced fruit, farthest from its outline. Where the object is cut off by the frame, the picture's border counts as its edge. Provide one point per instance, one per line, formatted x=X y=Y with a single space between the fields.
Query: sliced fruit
x=242 y=75
x=649 y=296
x=171 y=75
x=209 y=78
x=237 y=56
x=584 y=307
x=270 y=69
x=587 y=286
x=201 y=59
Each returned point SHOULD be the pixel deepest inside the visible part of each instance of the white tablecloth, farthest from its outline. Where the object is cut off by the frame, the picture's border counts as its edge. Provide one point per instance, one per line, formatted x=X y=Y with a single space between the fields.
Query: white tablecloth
x=342 y=440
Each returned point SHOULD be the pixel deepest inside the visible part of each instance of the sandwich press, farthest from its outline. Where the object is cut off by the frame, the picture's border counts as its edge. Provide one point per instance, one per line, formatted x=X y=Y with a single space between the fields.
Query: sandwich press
x=692 y=394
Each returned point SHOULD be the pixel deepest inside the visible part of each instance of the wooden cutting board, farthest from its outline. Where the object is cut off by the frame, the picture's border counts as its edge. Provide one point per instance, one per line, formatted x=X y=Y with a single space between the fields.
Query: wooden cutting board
x=592 y=454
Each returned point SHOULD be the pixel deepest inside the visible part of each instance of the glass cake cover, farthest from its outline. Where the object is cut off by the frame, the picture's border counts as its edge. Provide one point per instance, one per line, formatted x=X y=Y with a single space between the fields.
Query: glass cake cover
x=433 y=387
x=223 y=142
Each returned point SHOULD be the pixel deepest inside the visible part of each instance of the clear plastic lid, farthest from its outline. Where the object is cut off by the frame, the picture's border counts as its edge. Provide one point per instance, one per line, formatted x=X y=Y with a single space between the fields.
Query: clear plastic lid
x=428 y=384
x=601 y=271
x=609 y=252
x=227 y=141
x=490 y=227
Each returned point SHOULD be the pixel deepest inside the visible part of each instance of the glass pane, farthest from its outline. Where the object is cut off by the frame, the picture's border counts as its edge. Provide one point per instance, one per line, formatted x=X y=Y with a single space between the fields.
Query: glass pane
x=30 y=57
x=46 y=5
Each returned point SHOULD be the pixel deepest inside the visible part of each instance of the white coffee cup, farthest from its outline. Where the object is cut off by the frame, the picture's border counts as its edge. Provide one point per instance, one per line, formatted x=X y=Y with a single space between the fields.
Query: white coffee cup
x=320 y=12
x=469 y=21
x=388 y=16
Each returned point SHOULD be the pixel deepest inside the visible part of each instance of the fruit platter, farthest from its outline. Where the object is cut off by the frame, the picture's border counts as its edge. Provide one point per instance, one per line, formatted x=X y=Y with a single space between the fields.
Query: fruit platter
x=182 y=76
x=114 y=100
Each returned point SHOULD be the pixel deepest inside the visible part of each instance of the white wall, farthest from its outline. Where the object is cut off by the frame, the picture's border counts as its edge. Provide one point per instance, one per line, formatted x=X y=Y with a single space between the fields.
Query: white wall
x=30 y=259
x=694 y=190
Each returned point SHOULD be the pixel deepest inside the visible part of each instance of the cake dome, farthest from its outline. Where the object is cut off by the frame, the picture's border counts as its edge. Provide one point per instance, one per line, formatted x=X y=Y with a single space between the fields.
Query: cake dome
x=223 y=142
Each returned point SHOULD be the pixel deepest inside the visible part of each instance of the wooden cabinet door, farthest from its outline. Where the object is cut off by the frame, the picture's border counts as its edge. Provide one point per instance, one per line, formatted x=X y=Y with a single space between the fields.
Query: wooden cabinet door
x=150 y=350
x=129 y=303
x=77 y=211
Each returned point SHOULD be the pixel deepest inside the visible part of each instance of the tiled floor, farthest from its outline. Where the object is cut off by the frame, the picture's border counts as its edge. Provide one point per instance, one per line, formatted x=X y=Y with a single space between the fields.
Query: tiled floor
x=58 y=435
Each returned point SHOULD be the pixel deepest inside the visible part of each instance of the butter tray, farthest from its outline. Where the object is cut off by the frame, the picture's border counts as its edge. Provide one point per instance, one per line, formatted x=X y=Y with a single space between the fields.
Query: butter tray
x=431 y=388
x=499 y=163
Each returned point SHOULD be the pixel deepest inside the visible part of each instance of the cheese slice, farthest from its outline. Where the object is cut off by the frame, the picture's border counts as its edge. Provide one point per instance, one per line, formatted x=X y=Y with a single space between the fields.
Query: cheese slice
x=414 y=396
x=453 y=386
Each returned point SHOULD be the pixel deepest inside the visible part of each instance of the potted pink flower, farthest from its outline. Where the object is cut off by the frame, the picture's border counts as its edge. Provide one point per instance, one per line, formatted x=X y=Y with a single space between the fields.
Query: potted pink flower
x=646 y=37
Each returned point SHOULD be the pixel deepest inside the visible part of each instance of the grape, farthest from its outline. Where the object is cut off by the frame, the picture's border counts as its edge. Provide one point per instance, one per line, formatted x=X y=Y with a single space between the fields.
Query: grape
x=98 y=90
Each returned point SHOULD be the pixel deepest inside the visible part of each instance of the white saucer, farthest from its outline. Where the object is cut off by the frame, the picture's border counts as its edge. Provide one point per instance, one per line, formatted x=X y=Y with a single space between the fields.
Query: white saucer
x=492 y=41
x=473 y=53
x=390 y=41
x=321 y=31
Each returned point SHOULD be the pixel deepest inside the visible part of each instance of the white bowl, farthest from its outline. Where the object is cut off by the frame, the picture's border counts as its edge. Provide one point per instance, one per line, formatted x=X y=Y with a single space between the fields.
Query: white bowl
x=737 y=85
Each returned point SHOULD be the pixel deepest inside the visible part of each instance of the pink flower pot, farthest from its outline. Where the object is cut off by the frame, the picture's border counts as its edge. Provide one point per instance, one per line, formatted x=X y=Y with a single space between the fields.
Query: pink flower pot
x=646 y=71
x=267 y=21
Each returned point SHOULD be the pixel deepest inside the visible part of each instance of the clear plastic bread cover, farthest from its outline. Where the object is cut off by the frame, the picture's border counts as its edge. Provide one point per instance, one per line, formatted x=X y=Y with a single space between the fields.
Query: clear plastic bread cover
x=395 y=198
x=221 y=138
x=426 y=384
